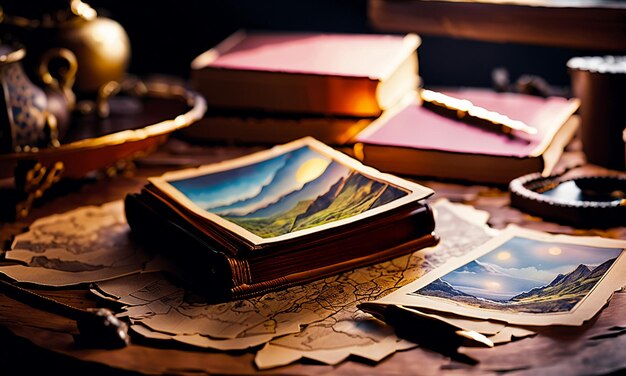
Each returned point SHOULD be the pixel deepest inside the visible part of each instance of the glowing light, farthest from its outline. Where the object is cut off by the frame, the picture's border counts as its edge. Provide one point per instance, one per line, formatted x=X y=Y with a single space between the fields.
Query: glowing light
x=83 y=10
x=311 y=170
x=554 y=251
x=110 y=38
x=504 y=255
x=493 y=285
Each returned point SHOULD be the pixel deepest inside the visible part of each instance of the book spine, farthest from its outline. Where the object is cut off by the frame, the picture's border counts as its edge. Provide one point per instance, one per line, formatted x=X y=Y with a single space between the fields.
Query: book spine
x=240 y=270
x=298 y=278
x=324 y=254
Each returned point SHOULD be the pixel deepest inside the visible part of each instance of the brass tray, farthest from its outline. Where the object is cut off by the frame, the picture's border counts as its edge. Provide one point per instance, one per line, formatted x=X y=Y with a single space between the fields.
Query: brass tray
x=137 y=123
x=135 y=126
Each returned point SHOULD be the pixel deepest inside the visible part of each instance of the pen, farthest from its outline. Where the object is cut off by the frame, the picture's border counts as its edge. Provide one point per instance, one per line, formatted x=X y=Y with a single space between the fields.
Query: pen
x=465 y=110
x=423 y=328
x=98 y=327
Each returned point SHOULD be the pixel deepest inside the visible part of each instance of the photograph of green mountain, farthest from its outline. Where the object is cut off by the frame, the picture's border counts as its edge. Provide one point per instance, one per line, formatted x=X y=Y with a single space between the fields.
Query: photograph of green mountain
x=293 y=191
x=526 y=275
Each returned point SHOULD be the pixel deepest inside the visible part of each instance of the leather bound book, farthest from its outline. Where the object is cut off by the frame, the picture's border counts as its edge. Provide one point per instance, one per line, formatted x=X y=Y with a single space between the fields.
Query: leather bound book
x=313 y=73
x=280 y=217
x=414 y=140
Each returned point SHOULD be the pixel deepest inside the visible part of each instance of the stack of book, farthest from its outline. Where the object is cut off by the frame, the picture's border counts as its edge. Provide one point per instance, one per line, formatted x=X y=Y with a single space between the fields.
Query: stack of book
x=362 y=90
x=274 y=87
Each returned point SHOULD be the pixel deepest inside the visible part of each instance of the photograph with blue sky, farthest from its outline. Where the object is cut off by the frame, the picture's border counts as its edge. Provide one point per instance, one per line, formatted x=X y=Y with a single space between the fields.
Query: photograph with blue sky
x=299 y=189
x=526 y=275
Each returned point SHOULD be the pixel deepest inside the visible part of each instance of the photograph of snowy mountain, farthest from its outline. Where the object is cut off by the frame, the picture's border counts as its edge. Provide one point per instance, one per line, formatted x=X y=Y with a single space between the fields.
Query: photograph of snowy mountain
x=296 y=190
x=526 y=275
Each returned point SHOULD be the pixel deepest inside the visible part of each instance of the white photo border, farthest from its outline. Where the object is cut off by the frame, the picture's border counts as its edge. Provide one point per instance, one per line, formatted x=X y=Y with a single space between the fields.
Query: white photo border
x=587 y=308
x=416 y=191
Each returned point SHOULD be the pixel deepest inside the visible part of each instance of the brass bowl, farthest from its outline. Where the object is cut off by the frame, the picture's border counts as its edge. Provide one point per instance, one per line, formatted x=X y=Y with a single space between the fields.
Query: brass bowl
x=94 y=143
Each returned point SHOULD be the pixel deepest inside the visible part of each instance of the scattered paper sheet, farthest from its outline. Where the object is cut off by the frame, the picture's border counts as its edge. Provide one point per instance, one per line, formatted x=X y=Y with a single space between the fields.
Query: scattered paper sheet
x=204 y=342
x=318 y=320
x=92 y=244
x=273 y=355
x=84 y=245
x=524 y=277
x=509 y=334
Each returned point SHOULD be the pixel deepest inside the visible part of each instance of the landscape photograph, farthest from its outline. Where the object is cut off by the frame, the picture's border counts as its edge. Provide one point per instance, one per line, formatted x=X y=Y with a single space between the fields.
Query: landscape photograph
x=526 y=275
x=293 y=191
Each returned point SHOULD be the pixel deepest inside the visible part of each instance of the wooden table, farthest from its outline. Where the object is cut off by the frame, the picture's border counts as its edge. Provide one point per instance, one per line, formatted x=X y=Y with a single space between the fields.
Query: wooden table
x=33 y=340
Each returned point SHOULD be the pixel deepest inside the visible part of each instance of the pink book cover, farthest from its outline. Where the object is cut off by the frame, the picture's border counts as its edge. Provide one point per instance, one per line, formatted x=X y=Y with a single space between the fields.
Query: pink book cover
x=352 y=55
x=416 y=127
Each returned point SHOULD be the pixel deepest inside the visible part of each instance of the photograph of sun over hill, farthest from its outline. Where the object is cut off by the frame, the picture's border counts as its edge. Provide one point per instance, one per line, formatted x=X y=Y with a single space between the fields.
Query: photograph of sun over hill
x=294 y=191
x=526 y=275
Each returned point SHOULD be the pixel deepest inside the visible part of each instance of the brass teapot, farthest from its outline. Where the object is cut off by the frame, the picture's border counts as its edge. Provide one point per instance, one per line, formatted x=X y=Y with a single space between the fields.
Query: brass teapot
x=100 y=44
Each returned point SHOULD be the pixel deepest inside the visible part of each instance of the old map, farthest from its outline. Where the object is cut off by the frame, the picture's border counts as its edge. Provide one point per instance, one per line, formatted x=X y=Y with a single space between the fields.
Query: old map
x=318 y=320
x=91 y=243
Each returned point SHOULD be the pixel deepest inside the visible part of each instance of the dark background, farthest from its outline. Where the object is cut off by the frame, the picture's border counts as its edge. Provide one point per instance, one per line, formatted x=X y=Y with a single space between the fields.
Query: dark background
x=166 y=36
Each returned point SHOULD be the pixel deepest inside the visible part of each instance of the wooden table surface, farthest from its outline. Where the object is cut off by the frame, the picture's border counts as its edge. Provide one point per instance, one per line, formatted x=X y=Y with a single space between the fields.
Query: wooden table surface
x=34 y=340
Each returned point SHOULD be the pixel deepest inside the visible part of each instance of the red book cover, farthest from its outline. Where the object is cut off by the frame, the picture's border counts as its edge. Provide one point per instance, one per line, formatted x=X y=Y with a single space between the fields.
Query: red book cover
x=417 y=127
x=352 y=55
x=356 y=75
x=414 y=140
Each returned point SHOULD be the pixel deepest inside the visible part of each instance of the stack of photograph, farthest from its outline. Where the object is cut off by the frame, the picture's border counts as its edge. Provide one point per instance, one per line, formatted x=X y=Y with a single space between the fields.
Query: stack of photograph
x=283 y=216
